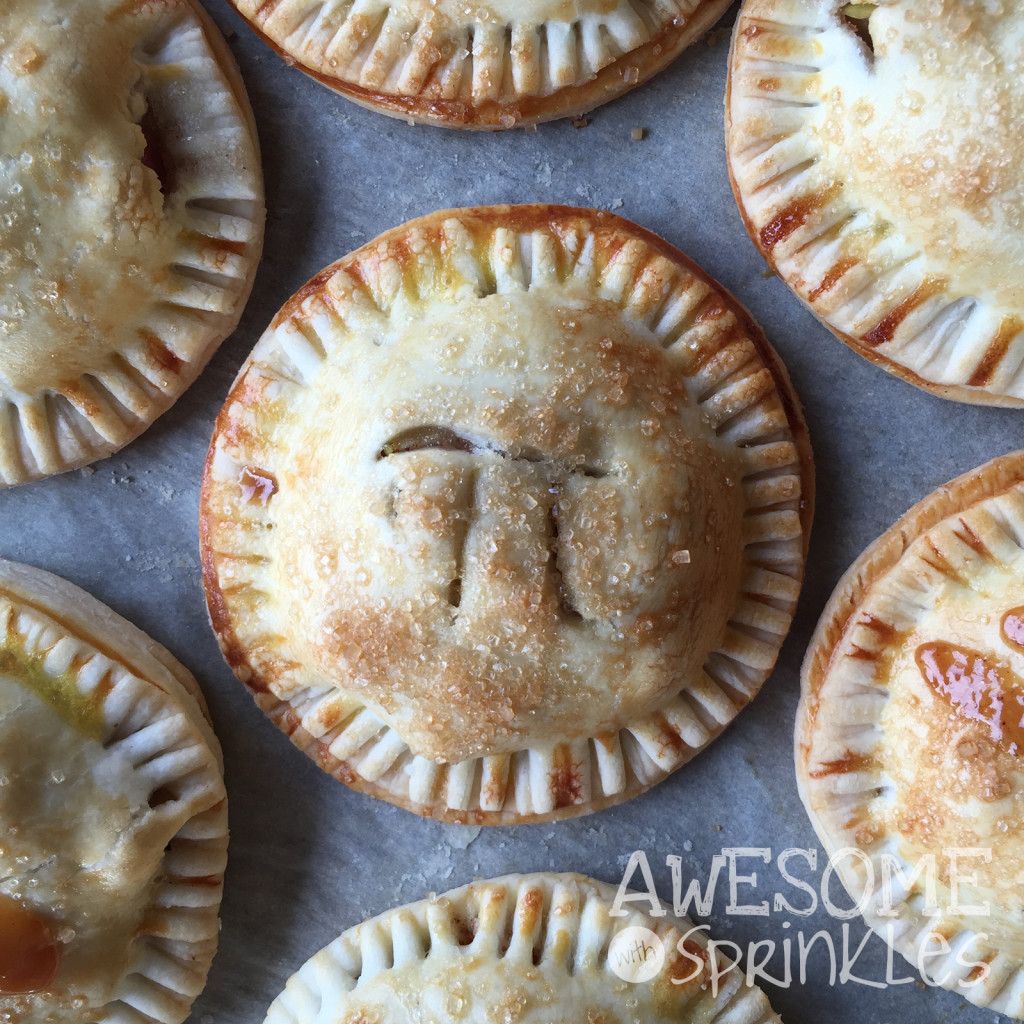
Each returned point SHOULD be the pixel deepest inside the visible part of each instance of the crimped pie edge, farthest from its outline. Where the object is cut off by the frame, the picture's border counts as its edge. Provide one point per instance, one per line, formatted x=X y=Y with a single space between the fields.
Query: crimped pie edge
x=797 y=225
x=455 y=790
x=1003 y=989
x=101 y=648
x=512 y=917
x=51 y=431
x=489 y=107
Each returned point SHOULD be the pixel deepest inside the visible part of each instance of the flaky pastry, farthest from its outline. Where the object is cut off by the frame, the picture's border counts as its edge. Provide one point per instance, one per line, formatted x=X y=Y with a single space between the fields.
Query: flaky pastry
x=131 y=204
x=113 y=815
x=910 y=734
x=504 y=517
x=876 y=154
x=537 y=949
x=488 y=64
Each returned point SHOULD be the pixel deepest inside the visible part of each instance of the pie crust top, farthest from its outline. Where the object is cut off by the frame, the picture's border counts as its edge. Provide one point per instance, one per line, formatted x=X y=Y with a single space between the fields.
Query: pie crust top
x=506 y=513
x=878 y=164
x=113 y=816
x=491 y=64
x=536 y=949
x=131 y=200
x=910 y=735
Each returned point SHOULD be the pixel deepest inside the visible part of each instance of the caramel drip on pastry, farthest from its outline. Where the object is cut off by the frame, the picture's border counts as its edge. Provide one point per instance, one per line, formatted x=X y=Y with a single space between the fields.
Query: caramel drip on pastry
x=832 y=277
x=884 y=629
x=29 y=950
x=793 y=217
x=997 y=349
x=841 y=766
x=978 y=690
x=884 y=331
x=1012 y=628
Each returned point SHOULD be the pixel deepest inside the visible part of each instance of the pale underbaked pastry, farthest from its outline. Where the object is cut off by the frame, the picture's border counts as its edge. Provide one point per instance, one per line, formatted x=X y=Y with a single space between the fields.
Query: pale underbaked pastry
x=505 y=515
x=910 y=734
x=492 y=64
x=113 y=815
x=876 y=155
x=537 y=949
x=131 y=204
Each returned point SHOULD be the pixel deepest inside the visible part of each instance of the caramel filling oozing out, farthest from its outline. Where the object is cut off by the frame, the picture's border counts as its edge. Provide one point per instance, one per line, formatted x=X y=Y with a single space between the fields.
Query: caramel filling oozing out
x=1012 y=628
x=29 y=950
x=978 y=690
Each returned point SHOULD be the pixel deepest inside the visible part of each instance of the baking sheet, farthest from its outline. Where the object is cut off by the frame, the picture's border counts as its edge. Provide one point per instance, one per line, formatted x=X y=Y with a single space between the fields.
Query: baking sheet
x=308 y=857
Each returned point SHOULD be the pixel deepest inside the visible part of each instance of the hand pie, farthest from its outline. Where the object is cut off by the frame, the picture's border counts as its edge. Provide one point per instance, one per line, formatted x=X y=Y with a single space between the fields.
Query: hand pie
x=910 y=735
x=113 y=817
x=876 y=155
x=505 y=515
x=494 y=64
x=131 y=200
x=537 y=949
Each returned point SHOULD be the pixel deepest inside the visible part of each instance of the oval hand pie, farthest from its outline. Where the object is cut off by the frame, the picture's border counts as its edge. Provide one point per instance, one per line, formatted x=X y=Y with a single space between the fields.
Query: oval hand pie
x=910 y=735
x=113 y=816
x=492 y=64
x=876 y=156
x=505 y=515
x=131 y=201
x=537 y=949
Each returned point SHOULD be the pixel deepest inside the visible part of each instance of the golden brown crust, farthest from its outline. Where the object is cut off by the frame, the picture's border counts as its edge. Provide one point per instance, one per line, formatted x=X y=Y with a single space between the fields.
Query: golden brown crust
x=571 y=370
x=900 y=751
x=881 y=555
x=543 y=947
x=859 y=200
x=114 y=816
x=543 y=64
x=135 y=222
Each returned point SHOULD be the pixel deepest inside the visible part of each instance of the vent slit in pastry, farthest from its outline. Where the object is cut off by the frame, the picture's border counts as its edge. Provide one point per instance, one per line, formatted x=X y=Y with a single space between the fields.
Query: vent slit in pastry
x=116 y=222
x=857 y=17
x=547 y=524
x=874 y=150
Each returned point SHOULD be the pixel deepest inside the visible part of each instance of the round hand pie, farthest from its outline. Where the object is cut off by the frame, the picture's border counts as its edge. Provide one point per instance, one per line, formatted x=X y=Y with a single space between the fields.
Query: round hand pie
x=505 y=515
x=131 y=204
x=492 y=64
x=113 y=816
x=910 y=735
x=537 y=949
x=876 y=154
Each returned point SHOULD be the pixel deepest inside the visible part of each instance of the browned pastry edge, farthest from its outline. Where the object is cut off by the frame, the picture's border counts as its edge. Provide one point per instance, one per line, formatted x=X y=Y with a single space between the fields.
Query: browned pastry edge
x=986 y=481
x=954 y=392
x=520 y=218
x=571 y=101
